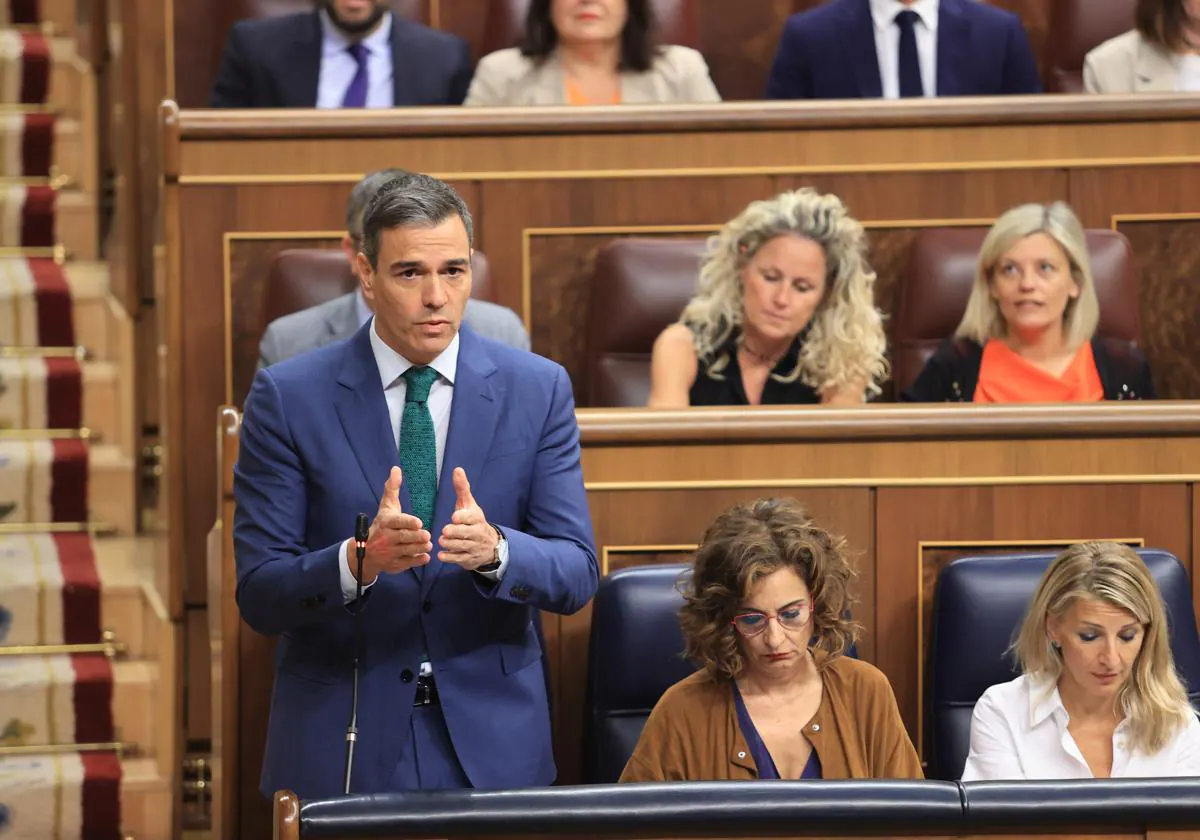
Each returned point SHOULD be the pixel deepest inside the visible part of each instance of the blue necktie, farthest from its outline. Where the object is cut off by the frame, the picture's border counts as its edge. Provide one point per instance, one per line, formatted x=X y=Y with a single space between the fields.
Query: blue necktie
x=356 y=93
x=910 y=63
x=418 y=444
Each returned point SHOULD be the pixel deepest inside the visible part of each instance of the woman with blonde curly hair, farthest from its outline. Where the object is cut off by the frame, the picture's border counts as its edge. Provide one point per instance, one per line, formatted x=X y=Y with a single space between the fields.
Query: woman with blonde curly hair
x=784 y=314
x=776 y=697
x=1099 y=696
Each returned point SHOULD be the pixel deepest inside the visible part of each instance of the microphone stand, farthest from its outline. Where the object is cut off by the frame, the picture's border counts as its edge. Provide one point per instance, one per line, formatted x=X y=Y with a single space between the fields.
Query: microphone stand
x=362 y=527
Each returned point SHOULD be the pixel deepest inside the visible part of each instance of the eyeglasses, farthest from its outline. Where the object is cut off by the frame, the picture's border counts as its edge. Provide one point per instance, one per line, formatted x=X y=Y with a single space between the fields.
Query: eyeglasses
x=792 y=617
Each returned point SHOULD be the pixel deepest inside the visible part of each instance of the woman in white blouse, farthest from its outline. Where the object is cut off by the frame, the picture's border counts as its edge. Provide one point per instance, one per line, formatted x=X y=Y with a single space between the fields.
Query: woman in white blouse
x=1161 y=54
x=1099 y=696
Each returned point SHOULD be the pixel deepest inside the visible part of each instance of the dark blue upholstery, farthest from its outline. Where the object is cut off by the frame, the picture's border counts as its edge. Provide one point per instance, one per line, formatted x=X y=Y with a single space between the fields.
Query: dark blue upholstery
x=636 y=654
x=978 y=606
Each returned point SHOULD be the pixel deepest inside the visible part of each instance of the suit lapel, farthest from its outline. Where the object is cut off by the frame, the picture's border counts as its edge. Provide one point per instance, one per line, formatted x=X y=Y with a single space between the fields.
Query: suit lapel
x=953 y=48
x=363 y=413
x=474 y=414
x=860 y=51
x=302 y=73
x=1155 y=70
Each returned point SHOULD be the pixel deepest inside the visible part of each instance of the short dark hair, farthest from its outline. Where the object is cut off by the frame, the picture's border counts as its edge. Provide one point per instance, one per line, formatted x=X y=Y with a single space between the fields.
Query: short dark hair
x=412 y=200
x=745 y=544
x=361 y=196
x=638 y=48
x=1162 y=22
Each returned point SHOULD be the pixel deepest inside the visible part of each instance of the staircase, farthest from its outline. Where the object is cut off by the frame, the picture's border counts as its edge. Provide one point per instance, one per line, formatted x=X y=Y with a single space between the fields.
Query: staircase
x=87 y=681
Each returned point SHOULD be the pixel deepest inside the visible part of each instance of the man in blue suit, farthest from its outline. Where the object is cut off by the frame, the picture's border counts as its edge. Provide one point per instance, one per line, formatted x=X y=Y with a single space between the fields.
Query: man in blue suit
x=466 y=453
x=346 y=54
x=862 y=49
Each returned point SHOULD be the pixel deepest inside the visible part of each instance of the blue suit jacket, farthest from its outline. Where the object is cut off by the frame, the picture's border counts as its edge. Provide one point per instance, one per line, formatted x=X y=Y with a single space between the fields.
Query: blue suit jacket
x=316 y=449
x=276 y=63
x=829 y=53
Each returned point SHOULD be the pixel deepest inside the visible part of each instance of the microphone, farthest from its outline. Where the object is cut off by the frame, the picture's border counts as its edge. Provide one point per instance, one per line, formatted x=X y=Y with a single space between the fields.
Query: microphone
x=362 y=528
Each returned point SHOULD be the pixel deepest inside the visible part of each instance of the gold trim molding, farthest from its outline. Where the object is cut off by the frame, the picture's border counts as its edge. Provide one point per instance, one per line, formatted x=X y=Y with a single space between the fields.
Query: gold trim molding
x=867 y=482
x=605 y=551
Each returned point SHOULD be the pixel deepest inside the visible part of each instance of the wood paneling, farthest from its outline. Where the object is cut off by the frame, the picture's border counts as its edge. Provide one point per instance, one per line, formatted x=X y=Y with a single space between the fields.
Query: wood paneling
x=1167 y=260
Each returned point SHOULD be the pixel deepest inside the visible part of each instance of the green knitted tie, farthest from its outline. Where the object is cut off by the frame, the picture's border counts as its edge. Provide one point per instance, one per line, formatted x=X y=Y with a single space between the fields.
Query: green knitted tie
x=418 y=444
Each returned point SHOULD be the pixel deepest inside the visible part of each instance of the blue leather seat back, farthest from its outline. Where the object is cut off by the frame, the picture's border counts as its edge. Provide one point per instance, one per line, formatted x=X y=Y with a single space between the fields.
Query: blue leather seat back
x=978 y=606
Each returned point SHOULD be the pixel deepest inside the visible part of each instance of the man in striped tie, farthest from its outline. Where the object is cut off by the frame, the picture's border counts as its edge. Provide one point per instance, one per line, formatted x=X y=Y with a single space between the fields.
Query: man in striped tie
x=466 y=454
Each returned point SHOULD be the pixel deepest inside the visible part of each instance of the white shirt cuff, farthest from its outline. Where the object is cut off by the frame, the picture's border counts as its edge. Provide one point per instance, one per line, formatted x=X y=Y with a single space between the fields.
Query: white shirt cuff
x=348 y=581
x=502 y=553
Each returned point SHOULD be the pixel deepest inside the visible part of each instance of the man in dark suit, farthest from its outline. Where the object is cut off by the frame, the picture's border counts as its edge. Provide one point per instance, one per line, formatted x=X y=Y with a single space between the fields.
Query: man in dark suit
x=467 y=453
x=862 y=49
x=346 y=54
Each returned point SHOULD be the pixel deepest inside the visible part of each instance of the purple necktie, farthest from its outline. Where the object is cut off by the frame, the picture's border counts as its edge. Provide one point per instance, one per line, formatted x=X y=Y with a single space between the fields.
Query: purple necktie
x=910 y=62
x=356 y=93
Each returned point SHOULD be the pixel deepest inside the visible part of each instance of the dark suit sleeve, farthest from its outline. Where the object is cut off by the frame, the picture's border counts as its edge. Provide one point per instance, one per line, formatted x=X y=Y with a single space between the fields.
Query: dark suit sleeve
x=790 y=78
x=233 y=87
x=1020 y=67
x=1145 y=379
x=281 y=584
x=935 y=381
x=464 y=69
x=552 y=558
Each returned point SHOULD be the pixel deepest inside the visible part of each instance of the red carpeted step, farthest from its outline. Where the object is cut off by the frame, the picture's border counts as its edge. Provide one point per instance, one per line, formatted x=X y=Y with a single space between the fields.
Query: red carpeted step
x=36 y=307
x=27 y=216
x=50 y=590
x=24 y=67
x=43 y=480
x=26 y=145
x=62 y=796
x=53 y=700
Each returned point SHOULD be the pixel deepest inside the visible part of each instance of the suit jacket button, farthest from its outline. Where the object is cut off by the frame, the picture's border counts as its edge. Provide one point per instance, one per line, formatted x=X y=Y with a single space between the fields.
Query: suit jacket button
x=406 y=676
x=427 y=606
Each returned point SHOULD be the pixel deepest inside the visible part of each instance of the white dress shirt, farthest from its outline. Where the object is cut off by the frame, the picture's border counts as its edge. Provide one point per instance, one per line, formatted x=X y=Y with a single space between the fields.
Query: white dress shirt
x=887 y=43
x=1189 y=74
x=338 y=67
x=1019 y=731
x=392 y=367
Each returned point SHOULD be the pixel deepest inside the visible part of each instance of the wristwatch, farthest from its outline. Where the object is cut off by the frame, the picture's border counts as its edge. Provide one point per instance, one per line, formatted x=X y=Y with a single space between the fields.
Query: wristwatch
x=495 y=564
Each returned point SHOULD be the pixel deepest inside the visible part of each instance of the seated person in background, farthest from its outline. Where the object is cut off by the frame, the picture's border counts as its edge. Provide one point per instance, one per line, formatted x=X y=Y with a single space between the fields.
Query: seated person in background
x=851 y=49
x=1029 y=331
x=1162 y=54
x=1098 y=696
x=776 y=698
x=590 y=52
x=785 y=313
x=347 y=54
x=340 y=318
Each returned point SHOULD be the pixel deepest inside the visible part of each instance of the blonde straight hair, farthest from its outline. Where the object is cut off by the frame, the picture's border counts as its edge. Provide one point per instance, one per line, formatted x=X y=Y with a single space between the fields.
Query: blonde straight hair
x=983 y=320
x=1153 y=700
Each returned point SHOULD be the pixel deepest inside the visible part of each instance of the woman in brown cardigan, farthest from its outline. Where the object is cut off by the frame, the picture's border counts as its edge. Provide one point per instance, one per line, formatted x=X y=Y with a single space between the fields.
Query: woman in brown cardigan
x=764 y=614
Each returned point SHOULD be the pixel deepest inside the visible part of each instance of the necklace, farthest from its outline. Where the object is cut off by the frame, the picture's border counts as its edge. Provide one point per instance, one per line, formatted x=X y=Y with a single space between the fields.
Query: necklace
x=768 y=360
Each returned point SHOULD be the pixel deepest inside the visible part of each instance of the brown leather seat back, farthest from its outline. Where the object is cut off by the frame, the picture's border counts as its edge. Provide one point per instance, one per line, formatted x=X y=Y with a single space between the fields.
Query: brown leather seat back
x=304 y=277
x=1076 y=27
x=639 y=287
x=941 y=268
x=417 y=10
x=676 y=22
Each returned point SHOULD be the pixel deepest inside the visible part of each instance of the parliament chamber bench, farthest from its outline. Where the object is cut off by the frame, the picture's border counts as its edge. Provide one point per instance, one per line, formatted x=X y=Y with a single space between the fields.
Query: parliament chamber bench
x=1126 y=809
x=912 y=488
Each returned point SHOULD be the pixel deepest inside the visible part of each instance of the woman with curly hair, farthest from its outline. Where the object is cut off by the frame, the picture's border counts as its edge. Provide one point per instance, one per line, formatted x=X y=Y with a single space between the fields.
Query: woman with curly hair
x=776 y=697
x=784 y=314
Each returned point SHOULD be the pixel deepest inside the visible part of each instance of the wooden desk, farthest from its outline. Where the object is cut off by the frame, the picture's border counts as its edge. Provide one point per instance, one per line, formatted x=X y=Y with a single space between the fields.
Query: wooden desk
x=910 y=487
x=549 y=187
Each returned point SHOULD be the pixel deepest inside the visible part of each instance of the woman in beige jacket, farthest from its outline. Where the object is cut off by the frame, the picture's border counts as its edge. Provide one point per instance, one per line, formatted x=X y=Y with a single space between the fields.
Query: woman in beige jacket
x=590 y=52
x=1160 y=55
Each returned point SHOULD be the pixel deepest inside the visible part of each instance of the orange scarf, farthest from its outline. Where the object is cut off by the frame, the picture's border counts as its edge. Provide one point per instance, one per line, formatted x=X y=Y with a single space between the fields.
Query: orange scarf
x=575 y=96
x=1005 y=377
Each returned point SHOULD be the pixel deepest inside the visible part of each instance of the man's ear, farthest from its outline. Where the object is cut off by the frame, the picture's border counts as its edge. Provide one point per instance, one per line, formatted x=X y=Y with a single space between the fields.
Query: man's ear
x=366 y=276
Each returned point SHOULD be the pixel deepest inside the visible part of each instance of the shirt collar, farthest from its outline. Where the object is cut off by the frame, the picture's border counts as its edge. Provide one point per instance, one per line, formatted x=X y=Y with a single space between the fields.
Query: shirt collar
x=1045 y=702
x=883 y=13
x=334 y=40
x=392 y=365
